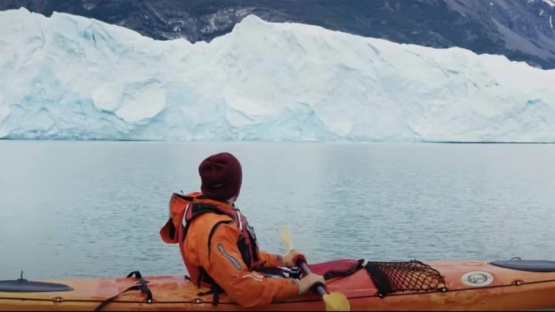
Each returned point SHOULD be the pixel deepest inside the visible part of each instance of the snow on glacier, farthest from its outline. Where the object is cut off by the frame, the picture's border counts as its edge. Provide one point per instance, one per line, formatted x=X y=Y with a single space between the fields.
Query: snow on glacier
x=68 y=77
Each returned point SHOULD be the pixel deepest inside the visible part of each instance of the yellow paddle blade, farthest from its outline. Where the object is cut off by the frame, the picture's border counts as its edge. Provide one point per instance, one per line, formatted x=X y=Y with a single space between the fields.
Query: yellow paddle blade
x=286 y=239
x=336 y=302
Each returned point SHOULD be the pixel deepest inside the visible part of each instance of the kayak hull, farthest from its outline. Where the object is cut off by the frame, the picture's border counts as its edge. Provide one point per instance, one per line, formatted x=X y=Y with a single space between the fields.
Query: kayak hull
x=468 y=285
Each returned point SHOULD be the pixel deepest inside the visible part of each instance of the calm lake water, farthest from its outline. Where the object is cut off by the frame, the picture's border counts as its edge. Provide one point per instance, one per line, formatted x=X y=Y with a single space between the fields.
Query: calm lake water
x=94 y=209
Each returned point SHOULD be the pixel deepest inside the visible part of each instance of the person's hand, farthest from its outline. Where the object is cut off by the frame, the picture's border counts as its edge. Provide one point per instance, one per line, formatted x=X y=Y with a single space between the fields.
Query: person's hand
x=308 y=281
x=290 y=259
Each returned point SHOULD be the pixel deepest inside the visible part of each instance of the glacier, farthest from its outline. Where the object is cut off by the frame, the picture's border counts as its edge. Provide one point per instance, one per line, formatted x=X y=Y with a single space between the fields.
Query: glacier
x=72 y=78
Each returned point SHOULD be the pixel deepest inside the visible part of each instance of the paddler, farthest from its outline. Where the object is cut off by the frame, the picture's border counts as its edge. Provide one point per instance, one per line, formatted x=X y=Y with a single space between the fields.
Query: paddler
x=219 y=247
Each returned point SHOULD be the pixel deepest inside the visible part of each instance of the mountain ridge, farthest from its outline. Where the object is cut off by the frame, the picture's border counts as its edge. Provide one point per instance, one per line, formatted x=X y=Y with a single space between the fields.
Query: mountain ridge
x=522 y=30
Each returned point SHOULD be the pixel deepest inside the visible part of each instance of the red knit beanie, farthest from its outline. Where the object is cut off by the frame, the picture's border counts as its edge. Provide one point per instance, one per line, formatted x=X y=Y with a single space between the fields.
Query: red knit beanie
x=221 y=176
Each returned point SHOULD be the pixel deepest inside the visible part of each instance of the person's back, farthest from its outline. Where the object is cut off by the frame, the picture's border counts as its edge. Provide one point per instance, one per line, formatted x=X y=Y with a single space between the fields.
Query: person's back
x=219 y=247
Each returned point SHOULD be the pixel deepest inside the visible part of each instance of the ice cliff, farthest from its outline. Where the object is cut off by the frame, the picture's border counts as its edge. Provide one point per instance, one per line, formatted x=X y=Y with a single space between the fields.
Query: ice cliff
x=68 y=77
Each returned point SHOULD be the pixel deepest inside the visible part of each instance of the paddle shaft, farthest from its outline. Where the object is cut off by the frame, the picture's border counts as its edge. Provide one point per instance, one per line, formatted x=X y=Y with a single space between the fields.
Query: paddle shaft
x=334 y=301
x=319 y=287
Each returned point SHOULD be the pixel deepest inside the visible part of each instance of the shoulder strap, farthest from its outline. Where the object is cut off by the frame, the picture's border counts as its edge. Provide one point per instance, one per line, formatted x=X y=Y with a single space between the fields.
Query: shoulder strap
x=189 y=197
x=214 y=228
x=200 y=208
x=196 y=209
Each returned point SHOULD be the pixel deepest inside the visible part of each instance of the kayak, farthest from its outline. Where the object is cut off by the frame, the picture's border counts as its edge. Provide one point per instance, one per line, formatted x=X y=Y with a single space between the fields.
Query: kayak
x=368 y=285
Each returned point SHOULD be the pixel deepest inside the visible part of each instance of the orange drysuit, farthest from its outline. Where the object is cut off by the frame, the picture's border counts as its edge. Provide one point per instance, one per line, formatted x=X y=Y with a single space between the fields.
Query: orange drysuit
x=211 y=252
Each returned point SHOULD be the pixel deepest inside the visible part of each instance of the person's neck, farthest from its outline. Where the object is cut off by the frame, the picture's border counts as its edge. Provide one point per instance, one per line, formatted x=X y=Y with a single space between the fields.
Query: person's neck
x=231 y=201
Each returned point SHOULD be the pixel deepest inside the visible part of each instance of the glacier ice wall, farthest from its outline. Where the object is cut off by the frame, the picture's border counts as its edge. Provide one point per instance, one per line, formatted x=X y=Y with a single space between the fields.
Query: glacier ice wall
x=68 y=77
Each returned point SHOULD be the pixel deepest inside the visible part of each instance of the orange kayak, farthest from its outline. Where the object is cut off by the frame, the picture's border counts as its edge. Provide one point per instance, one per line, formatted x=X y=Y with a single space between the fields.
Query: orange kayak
x=372 y=286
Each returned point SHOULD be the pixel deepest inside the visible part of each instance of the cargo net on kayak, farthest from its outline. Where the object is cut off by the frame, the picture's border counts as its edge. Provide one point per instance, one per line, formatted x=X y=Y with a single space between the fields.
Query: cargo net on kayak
x=390 y=277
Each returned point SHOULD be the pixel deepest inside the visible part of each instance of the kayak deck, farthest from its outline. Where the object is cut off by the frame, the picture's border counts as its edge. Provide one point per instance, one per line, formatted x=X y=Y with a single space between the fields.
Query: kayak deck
x=465 y=285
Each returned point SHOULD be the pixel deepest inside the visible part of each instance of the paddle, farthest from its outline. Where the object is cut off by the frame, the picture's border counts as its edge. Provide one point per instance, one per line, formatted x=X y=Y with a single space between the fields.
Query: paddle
x=334 y=301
